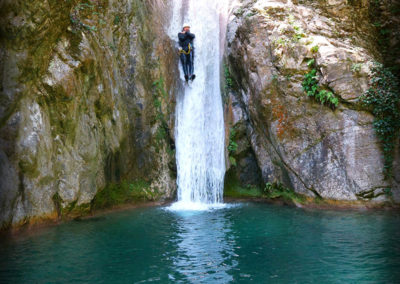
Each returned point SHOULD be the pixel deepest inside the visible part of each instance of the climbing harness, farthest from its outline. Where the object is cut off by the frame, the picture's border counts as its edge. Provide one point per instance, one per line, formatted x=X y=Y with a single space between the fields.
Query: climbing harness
x=186 y=52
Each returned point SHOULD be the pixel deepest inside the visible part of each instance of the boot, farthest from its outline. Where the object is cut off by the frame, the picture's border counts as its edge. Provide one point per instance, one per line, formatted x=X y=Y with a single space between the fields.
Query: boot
x=186 y=78
x=192 y=77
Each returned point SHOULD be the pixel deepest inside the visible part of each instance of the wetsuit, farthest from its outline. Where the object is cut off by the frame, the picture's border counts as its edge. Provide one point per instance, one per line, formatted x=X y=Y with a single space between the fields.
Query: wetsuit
x=187 y=59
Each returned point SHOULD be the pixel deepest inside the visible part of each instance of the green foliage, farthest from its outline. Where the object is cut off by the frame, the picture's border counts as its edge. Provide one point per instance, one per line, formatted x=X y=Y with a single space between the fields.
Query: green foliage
x=299 y=33
x=311 y=62
x=383 y=100
x=89 y=28
x=313 y=89
x=116 y=20
x=122 y=193
x=84 y=11
x=232 y=146
x=327 y=97
x=251 y=14
x=314 y=49
x=232 y=160
x=233 y=188
x=160 y=97
x=228 y=79
x=83 y=6
x=112 y=46
x=159 y=84
x=281 y=41
x=278 y=190
x=356 y=67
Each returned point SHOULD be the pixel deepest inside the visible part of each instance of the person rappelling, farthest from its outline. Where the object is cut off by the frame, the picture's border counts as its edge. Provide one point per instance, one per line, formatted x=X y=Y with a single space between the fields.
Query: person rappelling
x=186 y=52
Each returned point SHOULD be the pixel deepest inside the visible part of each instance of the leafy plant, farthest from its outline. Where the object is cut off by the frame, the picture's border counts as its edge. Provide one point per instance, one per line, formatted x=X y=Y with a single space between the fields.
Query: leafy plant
x=232 y=146
x=325 y=96
x=312 y=88
x=383 y=100
x=314 y=49
x=299 y=33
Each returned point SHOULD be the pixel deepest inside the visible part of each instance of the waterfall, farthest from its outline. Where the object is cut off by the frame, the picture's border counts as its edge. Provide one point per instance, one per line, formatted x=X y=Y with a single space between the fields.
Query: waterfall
x=199 y=129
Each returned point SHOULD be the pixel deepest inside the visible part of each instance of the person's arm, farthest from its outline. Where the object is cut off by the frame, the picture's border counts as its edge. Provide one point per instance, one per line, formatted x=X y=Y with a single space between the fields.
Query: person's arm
x=190 y=35
x=182 y=37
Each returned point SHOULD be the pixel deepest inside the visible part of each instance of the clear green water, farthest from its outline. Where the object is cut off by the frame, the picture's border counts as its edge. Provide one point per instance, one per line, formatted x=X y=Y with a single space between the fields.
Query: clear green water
x=256 y=243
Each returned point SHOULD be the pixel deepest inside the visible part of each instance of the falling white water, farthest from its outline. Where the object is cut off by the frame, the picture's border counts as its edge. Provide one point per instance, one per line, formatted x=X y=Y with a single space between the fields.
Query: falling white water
x=199 y=130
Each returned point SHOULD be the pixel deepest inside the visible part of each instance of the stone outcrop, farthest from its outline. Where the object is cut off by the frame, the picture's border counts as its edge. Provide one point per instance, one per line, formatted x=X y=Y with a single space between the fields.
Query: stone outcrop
x=315 y=149
x=86 y=100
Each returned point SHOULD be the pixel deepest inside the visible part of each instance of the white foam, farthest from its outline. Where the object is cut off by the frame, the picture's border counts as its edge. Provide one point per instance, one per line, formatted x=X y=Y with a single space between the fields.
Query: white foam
x=196 y=206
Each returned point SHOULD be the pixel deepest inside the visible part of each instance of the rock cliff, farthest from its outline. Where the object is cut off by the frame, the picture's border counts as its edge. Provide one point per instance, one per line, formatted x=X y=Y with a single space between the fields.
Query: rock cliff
x=325 y=150
x=87 y=101
x=88 y=95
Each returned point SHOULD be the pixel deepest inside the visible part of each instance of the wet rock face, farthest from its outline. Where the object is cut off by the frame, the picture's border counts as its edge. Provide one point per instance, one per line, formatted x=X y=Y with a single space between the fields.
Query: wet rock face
x=79 y=107
x=315 y=149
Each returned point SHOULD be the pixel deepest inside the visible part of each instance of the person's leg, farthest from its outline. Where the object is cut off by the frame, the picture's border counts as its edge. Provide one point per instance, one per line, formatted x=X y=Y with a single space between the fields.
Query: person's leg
x=189 y=63
x=184 y=66
x=192 y=76
x=188 y=66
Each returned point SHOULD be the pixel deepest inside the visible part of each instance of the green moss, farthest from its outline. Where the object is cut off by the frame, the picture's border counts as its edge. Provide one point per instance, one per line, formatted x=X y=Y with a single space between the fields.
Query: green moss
x=121 y=193
x=160 y=102
x=232 y=145
x=73 y=210
x=277 y=190
x=233 y=188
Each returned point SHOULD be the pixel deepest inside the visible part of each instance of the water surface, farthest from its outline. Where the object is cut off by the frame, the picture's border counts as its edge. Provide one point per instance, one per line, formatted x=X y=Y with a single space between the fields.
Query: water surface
x=243 y=243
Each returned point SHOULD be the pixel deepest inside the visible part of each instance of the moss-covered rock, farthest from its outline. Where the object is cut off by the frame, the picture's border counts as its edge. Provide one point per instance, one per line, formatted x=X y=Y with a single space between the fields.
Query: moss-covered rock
x=77 y=107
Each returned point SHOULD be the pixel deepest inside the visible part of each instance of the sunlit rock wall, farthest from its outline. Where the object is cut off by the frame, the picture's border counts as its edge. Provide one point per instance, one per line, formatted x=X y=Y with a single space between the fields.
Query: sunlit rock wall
x=315 y=149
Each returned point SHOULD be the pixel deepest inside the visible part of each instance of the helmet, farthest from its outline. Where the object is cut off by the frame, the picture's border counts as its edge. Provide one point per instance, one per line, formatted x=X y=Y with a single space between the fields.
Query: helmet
x=186 y=25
